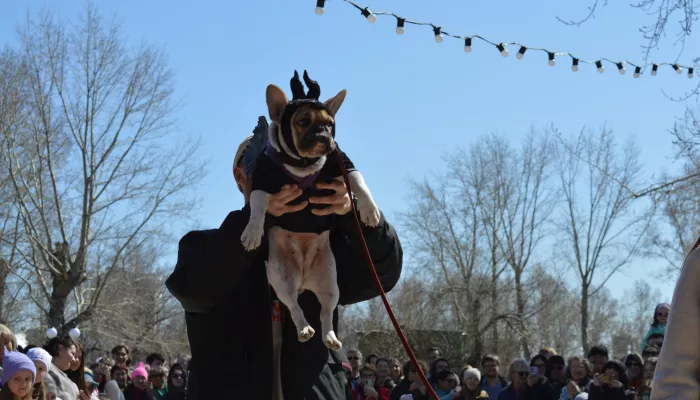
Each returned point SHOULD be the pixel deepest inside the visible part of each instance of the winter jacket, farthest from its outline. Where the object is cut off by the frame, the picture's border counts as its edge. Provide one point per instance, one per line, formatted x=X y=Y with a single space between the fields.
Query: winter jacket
x=542 y=390
x=223 y=287
x=606 y=393
x=678 y=369
x=400 y=389
x=494 y=391
x=509 y=393
x=113 y=392
x=58 y=383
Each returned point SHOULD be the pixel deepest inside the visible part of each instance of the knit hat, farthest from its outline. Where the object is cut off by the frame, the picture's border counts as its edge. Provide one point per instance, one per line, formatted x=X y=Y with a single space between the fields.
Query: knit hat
x=474 y=373
x=666 y=305
x=140 y=370
x=15 y=362
x=39 y=354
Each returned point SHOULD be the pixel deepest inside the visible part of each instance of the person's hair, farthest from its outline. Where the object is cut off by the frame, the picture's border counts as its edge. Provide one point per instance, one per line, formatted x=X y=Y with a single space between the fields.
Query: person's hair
x=433 y=366
x=157 y=371
x=548 y=349
x=490 y=357
x=370 y=367
x=7 y=334
x=78 y=377
x=619 y=368
x=432 y=349
x=171 y=387
x=369 y=357
x=598 y=350
x=128 y=352
x=412 y=368
x=39 y=391
x=153 y=357
x=650 y=348
x=442 y=375
x=6 y=394
x=538 y=357
x=52 y=346
x=106 y=361
x=583 y=361
x=120 y=367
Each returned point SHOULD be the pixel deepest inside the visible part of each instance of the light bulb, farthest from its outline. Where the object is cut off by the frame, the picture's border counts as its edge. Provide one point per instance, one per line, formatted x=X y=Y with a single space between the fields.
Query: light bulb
x=678 y=69
x=371 y=19
x=552 y=63
x=574 y=68
x=601 y=69
x=399 y=25
x=502 y=49
x=621 y=68
x=574 y=64
x=319 y=11
x=519 y=55
x=690 y=73
x=319 y=7
x=600 y=66
x=467 y=45
x=439 y=38
x=399 y=30
x=51 y=333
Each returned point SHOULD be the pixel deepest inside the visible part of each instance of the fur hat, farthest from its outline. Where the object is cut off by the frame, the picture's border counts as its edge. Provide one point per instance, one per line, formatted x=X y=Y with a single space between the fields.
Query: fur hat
x=472 y=372
x=15 y=362
x=140 y=370
x=39 y=354
x=241 y=150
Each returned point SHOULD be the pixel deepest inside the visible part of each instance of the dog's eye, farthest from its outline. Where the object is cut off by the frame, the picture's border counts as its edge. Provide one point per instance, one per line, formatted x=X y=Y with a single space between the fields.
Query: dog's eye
x=304 y=122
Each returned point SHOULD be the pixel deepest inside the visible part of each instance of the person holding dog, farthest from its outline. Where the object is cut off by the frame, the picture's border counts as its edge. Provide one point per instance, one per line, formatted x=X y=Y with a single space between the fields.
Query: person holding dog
x=240 y=335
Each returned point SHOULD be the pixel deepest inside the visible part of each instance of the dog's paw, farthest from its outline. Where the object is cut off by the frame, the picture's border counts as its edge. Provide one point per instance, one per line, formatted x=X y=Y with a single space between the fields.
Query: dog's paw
x=252 y=236
x=332 y=342
x=306 y=333
x=369 y=212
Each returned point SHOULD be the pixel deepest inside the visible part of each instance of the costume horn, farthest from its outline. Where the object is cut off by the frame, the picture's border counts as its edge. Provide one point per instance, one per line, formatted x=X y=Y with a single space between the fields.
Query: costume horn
x=314 y=89
x=297 y=87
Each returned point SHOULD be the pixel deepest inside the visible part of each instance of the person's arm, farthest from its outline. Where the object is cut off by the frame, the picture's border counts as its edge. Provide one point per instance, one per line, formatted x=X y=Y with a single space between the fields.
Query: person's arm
x=679 y=361
x=355 y=278
x=211 y=263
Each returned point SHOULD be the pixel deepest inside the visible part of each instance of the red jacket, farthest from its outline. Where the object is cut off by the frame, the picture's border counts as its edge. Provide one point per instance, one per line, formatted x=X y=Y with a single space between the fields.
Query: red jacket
x=359 y=394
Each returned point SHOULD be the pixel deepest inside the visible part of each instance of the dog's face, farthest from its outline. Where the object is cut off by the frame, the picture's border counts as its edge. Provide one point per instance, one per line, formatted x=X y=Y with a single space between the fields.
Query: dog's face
x=310 y=125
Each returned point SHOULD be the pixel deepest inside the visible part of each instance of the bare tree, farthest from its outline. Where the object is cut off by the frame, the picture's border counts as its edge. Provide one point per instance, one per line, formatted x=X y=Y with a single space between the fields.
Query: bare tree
x=600 y=230
x=91 y=173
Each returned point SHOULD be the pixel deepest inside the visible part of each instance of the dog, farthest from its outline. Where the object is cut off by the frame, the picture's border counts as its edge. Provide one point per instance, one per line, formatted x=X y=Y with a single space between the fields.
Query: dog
x=300 y=140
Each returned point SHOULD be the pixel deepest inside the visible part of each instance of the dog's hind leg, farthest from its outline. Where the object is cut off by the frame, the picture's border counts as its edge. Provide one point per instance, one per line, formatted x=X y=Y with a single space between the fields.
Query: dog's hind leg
x=286 y=286
x=322 y=280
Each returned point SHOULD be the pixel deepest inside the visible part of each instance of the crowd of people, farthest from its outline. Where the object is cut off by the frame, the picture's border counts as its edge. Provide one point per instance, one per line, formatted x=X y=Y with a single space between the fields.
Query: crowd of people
x=547 y=376
x=59 y=371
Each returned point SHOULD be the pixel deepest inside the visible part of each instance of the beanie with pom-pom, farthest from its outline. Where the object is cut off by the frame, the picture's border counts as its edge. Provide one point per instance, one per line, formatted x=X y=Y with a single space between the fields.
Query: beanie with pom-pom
x=140 y=370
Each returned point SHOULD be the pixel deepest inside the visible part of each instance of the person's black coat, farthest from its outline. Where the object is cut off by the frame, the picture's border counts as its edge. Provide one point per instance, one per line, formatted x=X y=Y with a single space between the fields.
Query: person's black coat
x=227 y=301
x=542 y=390
x=400 y=389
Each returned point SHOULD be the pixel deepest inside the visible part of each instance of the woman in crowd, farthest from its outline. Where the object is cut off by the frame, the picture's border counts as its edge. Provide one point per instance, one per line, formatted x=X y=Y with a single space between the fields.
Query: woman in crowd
x=635 y=371
x=383 y=369
x=556 y=372
x=8 y=340
x=121 y=355
x=611 y=384
x=62 y=350
x=18 y=376
x=138 y=388
x=577 y=376
x=177 y=383
x=438 y=365
x=658 y=324
x=369 y=387
x=395 y=370
x=519 y=371
x=42 y=362
x=537 y=386
x=76 y=373
x=471 y=386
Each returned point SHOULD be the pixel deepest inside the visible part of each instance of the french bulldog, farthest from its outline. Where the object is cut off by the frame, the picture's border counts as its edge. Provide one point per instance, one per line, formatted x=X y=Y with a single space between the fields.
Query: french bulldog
x=299 y=147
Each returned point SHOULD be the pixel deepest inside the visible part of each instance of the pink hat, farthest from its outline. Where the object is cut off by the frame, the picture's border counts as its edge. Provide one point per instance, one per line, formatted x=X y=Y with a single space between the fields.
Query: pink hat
x=140 y=370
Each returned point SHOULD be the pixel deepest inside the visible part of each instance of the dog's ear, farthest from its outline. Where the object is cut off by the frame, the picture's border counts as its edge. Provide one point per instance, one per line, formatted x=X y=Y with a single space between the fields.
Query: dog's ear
x=335 y=102
x=276 y=102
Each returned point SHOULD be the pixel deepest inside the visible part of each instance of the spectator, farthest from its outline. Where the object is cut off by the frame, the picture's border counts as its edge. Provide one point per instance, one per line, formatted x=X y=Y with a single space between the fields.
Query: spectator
x=62 y=350
x=403 y=387
x=120 y=374
x=177 y=383
x=383 y=368
x=492 y=382
x=471 y=386
x=395 y=370
x=445 y=383
x=440 y=364
x=537 y=386
x=76 y=373
x=433 y=354
x=138 y=388
x=371 y=359
x=100 y=375
x=556 y=373
x=611 y=384
x=598 y=356
x=519 y=370
x=9 y=342
x=91 y=386
x=42 y=361
x=369 y=389
x=416 y=389
x=635 y=371
x=656 y=339
x=650 y=351
x=121 y=355
x=18 y=376
x=650 y=367
x=578 y=375
x=155 y=360
x=157 y=376
x=658 y=324
x=355 y=358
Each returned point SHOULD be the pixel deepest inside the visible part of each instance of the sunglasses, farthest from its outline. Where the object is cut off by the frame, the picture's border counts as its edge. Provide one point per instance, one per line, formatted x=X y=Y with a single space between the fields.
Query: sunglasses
x=353 y=358
x=523 y=374
x=178 y=376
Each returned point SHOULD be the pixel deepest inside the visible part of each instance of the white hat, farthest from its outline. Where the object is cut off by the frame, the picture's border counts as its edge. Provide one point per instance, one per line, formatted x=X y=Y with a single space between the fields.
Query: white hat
x=39 y=354
x=581 y=396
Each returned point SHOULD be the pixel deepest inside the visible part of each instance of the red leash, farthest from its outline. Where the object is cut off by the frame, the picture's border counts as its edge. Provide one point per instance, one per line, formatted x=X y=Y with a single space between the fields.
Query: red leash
x=406 y=346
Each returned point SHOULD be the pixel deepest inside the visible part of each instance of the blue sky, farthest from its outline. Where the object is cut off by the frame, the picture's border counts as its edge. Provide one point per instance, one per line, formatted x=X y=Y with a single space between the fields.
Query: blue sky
x=409 y=99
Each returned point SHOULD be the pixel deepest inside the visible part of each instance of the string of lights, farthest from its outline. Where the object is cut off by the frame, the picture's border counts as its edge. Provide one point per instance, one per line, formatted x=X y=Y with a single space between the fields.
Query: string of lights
x=439 y=34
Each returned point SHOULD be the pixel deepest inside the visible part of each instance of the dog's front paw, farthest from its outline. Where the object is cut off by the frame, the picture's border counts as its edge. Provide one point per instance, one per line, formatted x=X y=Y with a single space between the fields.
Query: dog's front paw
x=306 y=333
x=252 y=236
x=369 y=212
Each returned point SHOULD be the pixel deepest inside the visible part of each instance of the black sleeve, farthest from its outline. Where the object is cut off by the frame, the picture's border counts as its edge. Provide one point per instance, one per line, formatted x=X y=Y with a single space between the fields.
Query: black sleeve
x=355 y=278
x=267 y=175
x=211 y=263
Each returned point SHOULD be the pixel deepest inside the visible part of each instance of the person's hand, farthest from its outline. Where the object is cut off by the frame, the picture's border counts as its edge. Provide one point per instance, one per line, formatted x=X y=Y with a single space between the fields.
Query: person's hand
x=532 y=380
x=338 y=202
x=370 y=392
x=83 y=396
x=597 y=380
x=615 y=384
x=573 y=389
x=277 y=204
x=414 y=386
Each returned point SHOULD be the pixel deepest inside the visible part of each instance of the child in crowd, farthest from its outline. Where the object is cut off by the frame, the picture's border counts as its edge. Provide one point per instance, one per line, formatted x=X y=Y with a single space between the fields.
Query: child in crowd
x=659 y=324
x=18 y=376
x=42 y=362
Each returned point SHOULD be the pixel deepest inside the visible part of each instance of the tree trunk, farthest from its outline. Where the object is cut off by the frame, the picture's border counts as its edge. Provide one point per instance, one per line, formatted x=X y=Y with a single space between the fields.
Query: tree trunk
x=494 y=291
x=584 y=318
x=4 y=271
x=520 y=304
